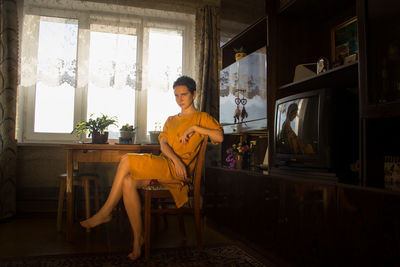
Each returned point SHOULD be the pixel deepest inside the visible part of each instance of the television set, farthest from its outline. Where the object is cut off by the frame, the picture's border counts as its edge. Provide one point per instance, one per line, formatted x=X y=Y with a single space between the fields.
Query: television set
x=317 y=130
x=243 y=94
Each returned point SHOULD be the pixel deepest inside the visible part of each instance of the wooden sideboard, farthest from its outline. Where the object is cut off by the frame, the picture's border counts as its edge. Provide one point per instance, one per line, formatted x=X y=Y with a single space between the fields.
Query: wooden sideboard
x=306 y=221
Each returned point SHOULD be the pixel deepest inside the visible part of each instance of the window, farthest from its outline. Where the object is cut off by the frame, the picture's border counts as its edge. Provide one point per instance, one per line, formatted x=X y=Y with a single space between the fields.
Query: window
x=112 y=77
x=75 y=63
x=164 y=61
x=56 y=75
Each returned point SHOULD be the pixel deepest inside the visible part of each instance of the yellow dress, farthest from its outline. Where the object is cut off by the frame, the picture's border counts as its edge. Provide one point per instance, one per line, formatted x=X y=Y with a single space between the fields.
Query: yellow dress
x=148 y=166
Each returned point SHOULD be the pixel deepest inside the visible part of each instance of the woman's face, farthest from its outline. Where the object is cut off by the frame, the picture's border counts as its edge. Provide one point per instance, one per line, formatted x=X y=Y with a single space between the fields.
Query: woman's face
x=293 y=114
x=183 y=97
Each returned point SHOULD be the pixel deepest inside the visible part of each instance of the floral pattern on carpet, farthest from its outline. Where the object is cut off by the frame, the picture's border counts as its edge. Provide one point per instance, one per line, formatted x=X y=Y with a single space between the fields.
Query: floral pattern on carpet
x=231 y=255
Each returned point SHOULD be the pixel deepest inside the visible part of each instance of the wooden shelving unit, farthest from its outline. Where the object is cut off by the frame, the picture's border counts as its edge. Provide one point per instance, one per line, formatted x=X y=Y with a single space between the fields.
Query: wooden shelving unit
x=313 y=219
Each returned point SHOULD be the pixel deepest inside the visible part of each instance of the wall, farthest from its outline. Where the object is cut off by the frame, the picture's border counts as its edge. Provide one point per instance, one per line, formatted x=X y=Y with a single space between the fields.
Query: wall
x=37 y=176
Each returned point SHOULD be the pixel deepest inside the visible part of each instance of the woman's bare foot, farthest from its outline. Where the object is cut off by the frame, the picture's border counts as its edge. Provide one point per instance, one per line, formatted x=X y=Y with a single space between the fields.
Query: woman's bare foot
x=95 y=220
x=137 y=250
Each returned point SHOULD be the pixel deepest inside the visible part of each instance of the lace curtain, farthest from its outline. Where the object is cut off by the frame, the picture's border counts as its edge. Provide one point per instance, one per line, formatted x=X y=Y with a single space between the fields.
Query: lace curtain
x=8 y=88
x=207 y=55
x=97 y=70
x=111 y=18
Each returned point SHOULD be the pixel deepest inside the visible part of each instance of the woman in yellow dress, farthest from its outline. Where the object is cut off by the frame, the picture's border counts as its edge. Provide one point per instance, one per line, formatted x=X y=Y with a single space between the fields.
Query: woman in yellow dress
x=180 y=142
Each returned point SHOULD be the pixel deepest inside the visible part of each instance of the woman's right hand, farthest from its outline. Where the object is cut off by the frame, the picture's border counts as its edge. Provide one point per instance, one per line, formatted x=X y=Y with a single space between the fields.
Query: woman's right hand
x=180 y=169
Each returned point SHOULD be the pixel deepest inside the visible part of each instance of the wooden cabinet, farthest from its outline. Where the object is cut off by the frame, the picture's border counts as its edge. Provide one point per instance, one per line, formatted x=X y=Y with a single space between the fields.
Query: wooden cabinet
x=308 y=220
x=367 y=228
x=298 y=32
x=243 y=202
x=304 y=36
x=301 y=32
x=380 y=58
x=243 y=90
x=304 y=221
x=286 y=217
x=379 y=87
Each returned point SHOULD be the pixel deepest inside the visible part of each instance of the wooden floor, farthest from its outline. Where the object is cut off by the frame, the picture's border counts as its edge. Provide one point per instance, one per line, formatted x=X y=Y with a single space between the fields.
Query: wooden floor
x=35 y=234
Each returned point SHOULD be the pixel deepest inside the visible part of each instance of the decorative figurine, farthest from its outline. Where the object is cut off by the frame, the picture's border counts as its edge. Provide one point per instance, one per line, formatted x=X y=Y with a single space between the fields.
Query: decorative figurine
x=322 y=65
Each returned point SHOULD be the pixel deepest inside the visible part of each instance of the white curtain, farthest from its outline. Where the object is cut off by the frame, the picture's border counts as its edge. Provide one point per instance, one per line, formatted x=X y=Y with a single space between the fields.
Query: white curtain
x=118 y=74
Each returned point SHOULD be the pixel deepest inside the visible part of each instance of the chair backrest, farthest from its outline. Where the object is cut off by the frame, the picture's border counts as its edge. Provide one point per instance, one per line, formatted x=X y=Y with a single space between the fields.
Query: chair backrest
x=199 y=171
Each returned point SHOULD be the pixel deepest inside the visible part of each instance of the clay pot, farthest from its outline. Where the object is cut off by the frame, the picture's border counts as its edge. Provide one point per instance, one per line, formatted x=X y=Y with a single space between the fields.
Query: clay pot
x=127 y=137
x=98 y=138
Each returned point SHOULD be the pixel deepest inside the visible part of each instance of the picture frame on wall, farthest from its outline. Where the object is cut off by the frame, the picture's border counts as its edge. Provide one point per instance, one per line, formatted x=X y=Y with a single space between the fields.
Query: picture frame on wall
x=344 y=42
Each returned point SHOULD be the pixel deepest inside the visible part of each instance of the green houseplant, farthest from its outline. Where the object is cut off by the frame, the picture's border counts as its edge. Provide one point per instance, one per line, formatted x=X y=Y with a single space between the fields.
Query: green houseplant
x=96 y=128
x=127 y=134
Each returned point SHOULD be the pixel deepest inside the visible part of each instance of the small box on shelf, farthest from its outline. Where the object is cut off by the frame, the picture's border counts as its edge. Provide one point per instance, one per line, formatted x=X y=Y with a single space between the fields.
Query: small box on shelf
x=392 y=172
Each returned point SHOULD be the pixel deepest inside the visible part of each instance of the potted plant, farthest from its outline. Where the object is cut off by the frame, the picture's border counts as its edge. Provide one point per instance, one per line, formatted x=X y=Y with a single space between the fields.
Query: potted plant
x=239 y=53
x=127 y=134
x=96 y=128
x=154 y=134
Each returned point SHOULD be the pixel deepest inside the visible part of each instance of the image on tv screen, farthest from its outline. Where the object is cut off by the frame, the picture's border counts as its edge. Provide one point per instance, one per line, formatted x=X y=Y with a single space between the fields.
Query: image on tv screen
x=297 y=126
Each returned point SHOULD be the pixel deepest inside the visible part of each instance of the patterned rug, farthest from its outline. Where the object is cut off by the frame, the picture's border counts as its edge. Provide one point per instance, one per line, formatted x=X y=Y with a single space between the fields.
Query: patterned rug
x=230 y=255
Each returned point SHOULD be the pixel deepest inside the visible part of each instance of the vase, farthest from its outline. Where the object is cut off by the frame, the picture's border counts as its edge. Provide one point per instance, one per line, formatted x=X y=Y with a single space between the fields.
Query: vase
x=239 y=162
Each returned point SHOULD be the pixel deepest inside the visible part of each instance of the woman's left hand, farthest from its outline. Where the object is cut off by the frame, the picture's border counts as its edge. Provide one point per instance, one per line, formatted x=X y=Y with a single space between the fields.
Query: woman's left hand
x=186 y=135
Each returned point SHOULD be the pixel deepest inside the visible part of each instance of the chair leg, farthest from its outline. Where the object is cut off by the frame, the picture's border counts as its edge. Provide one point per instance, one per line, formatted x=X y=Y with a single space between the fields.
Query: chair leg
x=96 y=196
x=197 y=222
x=147 y=223
x=86 y=183
x=182 y=224
x=60 y=204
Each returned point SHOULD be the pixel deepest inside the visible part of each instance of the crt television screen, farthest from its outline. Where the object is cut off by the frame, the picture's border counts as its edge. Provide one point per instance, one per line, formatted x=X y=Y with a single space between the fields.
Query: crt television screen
x=297 y=126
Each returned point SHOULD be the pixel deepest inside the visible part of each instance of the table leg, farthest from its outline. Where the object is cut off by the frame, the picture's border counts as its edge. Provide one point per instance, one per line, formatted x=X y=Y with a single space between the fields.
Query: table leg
x=69 y=195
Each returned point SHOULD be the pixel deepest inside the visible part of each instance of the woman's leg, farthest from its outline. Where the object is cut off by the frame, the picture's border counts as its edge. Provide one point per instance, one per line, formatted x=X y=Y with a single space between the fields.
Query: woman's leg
x=133 y=209
x=104 y=214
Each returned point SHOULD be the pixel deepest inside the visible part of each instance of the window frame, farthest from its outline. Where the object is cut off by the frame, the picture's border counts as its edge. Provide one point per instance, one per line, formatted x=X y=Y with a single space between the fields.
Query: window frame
x=26 y=95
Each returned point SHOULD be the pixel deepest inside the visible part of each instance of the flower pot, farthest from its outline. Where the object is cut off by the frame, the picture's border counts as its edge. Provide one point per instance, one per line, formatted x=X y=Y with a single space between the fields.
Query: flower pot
x=127 y=137
x=154 y=137
x=98 y=138
x=239 y=56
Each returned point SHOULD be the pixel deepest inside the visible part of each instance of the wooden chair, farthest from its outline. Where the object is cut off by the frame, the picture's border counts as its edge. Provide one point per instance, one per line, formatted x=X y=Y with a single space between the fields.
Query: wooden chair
x=81 y=180
x=157 y=192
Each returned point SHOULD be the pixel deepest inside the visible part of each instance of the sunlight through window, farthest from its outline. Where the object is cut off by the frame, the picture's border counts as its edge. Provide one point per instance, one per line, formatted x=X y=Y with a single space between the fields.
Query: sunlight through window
x=164 y=67
x=56 y=75
x=112 y=78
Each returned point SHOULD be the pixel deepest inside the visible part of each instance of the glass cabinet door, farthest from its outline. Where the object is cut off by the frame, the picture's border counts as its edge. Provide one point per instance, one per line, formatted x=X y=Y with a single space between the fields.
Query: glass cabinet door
x=382 y=26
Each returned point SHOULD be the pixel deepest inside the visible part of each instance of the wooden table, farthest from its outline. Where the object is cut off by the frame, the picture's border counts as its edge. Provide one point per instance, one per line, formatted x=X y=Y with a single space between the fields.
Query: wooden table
x=95 y=153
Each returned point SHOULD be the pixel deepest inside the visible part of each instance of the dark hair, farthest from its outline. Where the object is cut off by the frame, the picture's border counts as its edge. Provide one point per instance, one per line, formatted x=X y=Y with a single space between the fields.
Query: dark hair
x=186 y=81
x=292 y=108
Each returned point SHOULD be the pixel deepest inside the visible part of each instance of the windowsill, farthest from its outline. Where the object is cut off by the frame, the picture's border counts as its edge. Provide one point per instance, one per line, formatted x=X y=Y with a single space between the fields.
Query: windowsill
x=60 y=144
